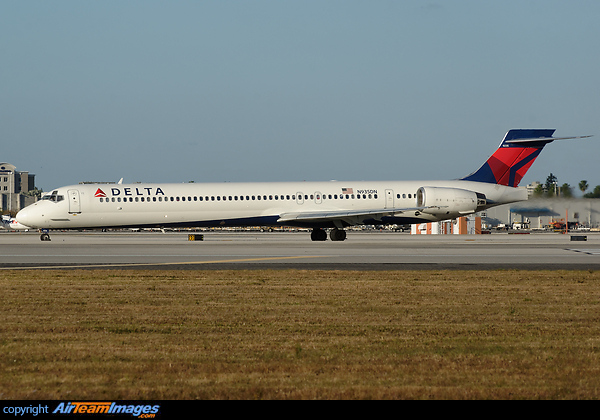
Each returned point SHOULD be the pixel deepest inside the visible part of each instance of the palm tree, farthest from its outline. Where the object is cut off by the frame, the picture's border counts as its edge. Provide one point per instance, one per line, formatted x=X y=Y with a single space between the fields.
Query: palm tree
x=583 y=185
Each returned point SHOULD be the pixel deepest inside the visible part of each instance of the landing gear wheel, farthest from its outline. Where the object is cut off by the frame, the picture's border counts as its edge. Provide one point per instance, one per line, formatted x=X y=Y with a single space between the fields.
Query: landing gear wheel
x=337 y=235
x=318 y=234
x=44 y=237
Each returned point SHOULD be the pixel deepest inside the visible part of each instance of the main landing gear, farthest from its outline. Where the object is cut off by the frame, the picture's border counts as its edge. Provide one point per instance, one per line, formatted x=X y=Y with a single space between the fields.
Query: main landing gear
x=335 y=235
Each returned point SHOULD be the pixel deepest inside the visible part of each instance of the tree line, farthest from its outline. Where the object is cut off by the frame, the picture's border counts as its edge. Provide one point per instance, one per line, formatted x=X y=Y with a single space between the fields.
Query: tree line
x=552 y=189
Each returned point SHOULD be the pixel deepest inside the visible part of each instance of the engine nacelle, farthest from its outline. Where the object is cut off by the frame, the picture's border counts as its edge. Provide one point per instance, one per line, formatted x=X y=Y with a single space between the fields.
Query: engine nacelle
x=439 y=201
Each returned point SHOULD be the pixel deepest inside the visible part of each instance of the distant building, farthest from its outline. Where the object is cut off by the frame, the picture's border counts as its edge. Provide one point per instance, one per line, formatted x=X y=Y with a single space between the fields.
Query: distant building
x=15 y=187
x=531 y=188
x=541 y=212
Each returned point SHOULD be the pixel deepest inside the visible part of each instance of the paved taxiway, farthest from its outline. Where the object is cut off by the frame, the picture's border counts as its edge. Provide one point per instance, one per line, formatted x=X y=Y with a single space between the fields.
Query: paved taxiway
x=253 y=250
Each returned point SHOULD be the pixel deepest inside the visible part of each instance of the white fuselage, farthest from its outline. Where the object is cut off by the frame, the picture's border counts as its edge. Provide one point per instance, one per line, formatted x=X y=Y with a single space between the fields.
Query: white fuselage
x=245 y=204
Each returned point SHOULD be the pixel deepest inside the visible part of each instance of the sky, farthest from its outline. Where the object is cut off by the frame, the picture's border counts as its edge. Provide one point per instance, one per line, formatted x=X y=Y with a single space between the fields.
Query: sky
x=227 y=91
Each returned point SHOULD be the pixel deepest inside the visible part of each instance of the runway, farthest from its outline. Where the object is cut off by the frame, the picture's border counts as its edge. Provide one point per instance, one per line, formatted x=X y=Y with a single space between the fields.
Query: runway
x=287 y=250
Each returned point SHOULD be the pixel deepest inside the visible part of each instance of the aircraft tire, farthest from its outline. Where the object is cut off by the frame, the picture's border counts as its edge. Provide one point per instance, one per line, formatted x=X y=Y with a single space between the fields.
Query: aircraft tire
x=337 y=235
x=318 y=235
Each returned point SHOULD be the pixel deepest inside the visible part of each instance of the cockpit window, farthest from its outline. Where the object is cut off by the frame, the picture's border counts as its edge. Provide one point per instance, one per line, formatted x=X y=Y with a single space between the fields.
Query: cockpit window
x=53 y=197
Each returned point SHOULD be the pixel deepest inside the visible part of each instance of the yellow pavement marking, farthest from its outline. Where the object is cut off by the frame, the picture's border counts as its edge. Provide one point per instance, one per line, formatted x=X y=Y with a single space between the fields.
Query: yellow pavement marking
x=109 y=265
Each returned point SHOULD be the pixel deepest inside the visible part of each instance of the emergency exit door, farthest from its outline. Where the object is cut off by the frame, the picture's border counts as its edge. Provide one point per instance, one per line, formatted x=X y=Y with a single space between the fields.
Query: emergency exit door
x=389 y=199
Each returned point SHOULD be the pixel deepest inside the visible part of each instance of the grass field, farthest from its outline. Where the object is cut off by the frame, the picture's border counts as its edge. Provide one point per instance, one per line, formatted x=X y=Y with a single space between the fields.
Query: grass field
x=299 y=334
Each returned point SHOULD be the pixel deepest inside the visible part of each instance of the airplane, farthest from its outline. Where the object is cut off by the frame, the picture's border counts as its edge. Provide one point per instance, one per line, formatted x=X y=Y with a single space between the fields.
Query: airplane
x=332 y=205
x=10 y=223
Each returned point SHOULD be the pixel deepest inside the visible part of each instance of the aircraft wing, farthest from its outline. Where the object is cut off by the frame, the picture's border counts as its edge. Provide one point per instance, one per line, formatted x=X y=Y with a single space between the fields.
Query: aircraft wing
x=351 y=217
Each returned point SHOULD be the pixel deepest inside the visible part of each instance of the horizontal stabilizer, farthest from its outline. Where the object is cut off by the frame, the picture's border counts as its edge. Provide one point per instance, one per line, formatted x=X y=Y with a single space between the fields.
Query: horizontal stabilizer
x=543 y=139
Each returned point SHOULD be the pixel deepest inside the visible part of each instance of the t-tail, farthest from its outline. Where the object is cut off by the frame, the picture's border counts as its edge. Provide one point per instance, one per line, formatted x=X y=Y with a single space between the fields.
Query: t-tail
x=515 y=155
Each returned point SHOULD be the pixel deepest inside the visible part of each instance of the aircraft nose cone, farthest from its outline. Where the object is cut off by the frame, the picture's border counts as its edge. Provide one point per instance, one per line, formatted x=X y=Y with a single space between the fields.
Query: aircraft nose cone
x=24 y=217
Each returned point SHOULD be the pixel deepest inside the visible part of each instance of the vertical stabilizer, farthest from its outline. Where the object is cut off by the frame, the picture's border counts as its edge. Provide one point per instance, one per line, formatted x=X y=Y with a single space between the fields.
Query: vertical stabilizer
x=515 y=155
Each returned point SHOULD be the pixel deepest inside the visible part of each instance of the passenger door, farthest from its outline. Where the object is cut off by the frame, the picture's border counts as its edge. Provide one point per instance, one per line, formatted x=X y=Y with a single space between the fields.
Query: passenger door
x=74 y=202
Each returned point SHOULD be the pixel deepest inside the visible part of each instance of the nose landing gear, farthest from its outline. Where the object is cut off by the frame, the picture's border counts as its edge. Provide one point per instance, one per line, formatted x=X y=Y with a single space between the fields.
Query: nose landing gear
x=44 y=236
